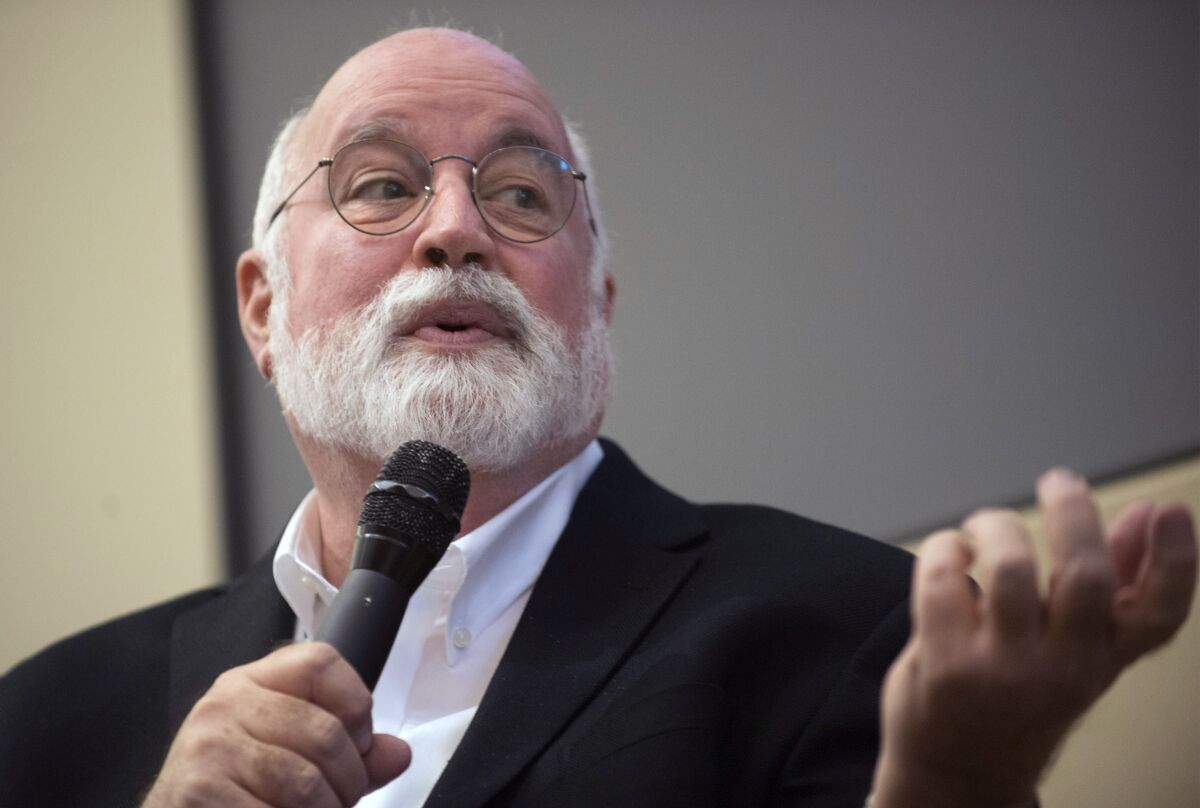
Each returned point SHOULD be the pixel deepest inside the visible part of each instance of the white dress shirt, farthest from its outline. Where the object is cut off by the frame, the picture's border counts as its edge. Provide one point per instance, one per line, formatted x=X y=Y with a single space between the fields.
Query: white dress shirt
x=457 y=625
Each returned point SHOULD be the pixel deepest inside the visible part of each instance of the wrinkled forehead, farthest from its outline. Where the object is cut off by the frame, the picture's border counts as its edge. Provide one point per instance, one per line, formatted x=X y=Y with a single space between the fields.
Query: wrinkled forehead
x=423 y=85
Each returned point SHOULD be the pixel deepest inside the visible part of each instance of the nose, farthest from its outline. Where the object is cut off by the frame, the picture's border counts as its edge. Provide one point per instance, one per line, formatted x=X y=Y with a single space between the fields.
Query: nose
x=452 y=231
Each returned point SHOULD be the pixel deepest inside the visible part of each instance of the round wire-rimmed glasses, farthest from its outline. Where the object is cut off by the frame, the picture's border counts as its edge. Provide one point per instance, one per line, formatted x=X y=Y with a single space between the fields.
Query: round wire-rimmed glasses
x=379 y=187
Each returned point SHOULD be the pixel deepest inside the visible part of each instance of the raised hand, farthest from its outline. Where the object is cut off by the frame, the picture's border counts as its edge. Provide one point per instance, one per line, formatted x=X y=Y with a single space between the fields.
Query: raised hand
x=291 y=729
x=993 y=677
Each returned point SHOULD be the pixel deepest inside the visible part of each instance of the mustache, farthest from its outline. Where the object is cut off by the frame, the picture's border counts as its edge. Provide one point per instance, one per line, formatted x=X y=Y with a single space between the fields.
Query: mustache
x=404 y=299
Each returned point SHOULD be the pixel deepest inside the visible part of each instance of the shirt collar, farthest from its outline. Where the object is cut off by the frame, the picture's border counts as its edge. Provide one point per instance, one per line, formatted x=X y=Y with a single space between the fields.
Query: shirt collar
x=505 y=555
x=297 y=567
x=502 y=557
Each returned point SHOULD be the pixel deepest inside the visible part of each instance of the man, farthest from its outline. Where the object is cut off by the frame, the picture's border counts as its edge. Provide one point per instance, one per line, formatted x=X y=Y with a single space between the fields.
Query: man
x=591 y=639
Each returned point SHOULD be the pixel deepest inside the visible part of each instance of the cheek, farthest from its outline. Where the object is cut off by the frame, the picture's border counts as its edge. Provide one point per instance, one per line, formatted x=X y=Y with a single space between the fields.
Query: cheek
x=560 y=276
x=339 y=276
x=555 y=286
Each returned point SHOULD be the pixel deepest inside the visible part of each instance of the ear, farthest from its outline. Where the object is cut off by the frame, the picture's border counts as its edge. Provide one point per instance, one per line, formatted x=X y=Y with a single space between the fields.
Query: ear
x=254 y=303
x=610 y=295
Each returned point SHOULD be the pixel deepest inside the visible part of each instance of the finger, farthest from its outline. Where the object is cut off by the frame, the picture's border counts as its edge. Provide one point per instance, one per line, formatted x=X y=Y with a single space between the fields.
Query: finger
x=229 y=795
x=314 y=734
x=1007 y=572
x=1152 y=609
x=1127 y=541
x=279 y=776
x=1081 y=579
x=316 y=673
x=201 y=791
x=943 y=604
x=386 y=760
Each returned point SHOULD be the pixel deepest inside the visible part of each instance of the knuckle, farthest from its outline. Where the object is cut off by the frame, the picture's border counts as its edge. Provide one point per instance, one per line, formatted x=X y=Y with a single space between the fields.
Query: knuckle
x=214 y=792
x=305 y=781
x=207 y=709
x=322 y=655
x=1086 y=576
x=1012 y=567
x=992 y=516
x=210 y=747
x=232 y=678
x=322 y=661
x=295 y=779
x=938 y=570
x=227 y=683
x=943 y=537
x=943 y=545
x=198 y=788
x=328 y=735
x=358 y=712
x=222 y=699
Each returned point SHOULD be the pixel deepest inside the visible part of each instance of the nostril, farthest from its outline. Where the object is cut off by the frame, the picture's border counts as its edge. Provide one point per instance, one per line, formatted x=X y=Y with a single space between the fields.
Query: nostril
x=473 y=258
x=437 y=257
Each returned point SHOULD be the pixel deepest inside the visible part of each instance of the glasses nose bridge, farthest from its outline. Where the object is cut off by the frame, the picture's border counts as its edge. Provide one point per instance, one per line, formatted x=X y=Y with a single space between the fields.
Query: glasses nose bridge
x=433 y=186
x=474 y=166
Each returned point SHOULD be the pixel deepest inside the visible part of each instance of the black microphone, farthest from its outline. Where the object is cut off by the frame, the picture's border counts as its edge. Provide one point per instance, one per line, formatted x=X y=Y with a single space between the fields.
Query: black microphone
x=409 y=517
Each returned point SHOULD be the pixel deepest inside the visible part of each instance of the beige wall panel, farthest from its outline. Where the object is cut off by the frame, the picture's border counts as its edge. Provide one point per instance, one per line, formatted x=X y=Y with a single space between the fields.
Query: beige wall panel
x=107 y=483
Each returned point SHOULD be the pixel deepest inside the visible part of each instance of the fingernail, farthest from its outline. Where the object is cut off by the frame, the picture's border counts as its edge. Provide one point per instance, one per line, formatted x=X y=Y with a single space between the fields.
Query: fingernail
x=363 y=740
x=1060 y=476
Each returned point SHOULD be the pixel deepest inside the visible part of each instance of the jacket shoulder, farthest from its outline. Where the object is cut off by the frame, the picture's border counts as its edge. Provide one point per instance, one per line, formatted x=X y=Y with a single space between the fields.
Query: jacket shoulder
x=95 y=702
x=770 y=523
x=132 y=636
x=767 y=535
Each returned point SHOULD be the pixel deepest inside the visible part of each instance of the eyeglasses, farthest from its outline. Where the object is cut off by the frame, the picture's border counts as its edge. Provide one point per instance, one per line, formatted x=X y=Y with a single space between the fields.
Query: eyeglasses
x=524 y=193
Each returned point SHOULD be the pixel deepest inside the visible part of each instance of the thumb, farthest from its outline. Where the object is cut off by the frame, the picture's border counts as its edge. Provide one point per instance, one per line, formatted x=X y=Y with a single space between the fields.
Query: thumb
x=1148 y=612
x=386 y=760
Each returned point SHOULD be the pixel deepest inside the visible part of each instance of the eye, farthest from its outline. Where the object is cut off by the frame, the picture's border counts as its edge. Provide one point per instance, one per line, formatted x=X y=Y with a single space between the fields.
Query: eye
x=522 y=197
x=518 y=197
x=382 y=188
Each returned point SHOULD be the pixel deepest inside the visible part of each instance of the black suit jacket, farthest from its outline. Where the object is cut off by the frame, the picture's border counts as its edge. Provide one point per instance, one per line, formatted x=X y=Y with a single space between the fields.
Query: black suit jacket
x=670 y=655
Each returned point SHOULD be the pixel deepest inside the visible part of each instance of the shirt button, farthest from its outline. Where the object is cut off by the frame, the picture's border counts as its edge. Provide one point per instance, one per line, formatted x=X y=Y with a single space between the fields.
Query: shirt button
x=461 y=637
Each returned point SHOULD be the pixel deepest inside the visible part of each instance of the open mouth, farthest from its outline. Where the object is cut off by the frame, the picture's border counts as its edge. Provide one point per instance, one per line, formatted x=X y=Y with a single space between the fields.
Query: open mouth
x=459 y=324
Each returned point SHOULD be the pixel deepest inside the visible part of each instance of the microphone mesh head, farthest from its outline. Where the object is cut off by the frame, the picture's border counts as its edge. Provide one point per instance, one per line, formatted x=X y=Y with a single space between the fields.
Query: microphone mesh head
x=432 y=468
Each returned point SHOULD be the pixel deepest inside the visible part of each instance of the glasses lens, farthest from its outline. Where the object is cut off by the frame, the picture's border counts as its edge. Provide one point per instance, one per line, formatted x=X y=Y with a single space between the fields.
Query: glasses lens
x=525 y=193
x=379 y=186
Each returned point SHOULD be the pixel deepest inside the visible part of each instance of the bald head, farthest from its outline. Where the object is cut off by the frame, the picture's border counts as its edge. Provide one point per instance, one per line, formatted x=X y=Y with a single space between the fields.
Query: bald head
x=434 y=70
x=388 y=87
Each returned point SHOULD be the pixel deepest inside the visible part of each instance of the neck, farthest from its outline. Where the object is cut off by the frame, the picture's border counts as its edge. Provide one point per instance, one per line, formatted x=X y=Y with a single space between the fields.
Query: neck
x=342 y=480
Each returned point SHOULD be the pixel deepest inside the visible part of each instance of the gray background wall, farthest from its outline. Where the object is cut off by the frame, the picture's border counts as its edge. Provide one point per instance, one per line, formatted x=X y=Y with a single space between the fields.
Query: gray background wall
x=878 y=262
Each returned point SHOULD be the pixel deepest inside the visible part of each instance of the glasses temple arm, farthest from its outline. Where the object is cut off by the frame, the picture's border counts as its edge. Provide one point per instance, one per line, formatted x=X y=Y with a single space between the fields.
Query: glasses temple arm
x=587 y=201
x=320 y=164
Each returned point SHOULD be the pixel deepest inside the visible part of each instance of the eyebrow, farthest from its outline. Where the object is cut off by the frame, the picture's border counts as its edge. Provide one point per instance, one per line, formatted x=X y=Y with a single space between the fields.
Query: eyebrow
x=399 y=129
x=380 y=128
x=519 y=136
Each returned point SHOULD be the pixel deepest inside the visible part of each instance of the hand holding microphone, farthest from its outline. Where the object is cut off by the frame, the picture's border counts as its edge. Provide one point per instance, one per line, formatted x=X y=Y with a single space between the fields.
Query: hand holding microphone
x=294 y=728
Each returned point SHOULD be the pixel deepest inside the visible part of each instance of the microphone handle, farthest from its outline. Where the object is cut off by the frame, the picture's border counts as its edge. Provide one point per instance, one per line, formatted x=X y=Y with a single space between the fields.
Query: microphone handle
x=363 y=620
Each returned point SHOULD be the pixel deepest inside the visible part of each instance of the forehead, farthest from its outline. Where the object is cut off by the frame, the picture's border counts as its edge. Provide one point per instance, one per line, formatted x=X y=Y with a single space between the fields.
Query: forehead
x=443 y=91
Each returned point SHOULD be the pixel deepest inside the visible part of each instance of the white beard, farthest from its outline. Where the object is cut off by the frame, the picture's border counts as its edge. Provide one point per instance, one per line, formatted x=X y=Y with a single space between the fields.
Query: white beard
x=353 y=384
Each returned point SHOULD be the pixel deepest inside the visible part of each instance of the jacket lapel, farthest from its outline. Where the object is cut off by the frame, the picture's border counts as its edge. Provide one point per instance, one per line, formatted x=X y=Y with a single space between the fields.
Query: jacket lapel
x=241 y=624
x=620 y=560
